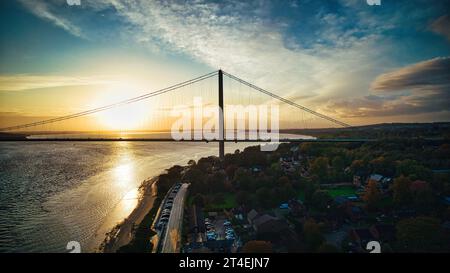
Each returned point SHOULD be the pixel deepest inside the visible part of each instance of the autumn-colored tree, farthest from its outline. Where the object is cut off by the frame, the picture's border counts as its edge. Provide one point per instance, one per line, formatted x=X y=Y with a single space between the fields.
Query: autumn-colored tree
x=372 y=195
x=401 y=191
x=313 y=235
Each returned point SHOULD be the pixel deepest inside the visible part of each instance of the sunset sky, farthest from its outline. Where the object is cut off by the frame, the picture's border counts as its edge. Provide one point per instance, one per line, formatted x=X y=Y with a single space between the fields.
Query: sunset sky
x=357 y=63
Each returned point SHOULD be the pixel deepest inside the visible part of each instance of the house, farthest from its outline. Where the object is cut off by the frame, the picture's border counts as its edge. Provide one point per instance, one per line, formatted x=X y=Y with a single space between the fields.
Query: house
x=386 y=183
x=375 y=177
x=252 y=215
x=296 y=207
x=269 y=224
x=256 y=169
x=357 y=181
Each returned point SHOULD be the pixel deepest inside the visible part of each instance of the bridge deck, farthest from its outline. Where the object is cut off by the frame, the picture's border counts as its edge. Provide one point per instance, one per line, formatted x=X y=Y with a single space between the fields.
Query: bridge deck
x=192 y=140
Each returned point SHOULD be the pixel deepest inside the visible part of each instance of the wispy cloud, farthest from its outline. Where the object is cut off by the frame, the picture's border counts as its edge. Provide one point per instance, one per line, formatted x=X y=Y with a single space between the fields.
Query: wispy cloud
x=47 y=11
x=26 y=82
x=442 y=26
x=337 y=58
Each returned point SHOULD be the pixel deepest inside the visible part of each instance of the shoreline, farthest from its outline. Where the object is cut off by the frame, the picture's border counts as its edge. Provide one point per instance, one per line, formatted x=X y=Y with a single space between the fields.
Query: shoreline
x=123 y=232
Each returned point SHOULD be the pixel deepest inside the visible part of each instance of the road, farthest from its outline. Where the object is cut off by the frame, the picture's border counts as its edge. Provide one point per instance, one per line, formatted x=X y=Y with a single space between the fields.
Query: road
x=172 y=236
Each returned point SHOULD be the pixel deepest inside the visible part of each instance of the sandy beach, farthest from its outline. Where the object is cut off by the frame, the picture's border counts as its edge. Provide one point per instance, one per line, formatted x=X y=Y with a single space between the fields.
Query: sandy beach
x=122 y=234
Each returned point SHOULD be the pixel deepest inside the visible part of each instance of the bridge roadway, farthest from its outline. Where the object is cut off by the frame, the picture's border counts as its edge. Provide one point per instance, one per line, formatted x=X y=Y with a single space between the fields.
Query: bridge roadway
x=299 y=140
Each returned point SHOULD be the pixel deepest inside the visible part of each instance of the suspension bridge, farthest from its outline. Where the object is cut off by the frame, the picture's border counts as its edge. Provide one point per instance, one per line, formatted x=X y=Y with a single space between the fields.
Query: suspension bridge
x=214 y=88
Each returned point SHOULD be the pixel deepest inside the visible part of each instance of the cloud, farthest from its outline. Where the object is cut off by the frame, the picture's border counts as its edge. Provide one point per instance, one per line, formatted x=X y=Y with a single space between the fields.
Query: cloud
x=330 y=54
x=47 y=11
x=420 y=88
x=22 y=82
x=428 y=75
x=442 y=26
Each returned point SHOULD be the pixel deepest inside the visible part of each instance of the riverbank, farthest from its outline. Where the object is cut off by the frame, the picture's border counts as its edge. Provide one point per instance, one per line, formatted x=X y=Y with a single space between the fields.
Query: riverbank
x=122 y=234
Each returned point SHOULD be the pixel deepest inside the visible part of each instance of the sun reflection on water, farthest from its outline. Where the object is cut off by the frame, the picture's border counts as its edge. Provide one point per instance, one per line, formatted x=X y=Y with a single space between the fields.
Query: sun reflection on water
x=124 y=182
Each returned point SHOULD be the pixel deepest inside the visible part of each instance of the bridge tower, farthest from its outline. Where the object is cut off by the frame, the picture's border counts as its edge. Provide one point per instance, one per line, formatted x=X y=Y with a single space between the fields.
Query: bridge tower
x=221 y=118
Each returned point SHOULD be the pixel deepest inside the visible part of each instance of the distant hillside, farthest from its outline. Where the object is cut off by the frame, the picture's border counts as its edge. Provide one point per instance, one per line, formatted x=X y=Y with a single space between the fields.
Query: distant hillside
x=11 y=136
x=383 y=130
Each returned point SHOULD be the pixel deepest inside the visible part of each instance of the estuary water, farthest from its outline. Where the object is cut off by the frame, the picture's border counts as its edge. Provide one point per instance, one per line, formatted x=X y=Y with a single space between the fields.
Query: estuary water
x=55 y=192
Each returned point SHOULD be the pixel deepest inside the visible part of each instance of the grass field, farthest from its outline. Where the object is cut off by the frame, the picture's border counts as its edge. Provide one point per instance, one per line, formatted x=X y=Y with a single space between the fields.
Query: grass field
x=342 y=191
x=228 y=203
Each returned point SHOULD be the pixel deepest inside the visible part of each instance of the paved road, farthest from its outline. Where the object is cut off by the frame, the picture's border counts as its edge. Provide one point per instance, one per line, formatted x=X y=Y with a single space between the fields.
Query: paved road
x=172 y=236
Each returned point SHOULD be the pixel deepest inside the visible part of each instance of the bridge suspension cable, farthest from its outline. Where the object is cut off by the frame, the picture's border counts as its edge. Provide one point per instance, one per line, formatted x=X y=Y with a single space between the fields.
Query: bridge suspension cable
x=286 y=100
x=117 y=104
x=168 y=89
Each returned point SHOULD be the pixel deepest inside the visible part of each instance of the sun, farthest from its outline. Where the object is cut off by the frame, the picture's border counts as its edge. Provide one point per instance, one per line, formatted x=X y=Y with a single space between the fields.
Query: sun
x=124 y=117
x=128 y=117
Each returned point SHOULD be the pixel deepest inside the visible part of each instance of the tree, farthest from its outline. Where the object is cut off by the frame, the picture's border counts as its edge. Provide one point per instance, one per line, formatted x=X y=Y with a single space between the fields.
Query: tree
x=327 y=248
x=413 y=169
x=422 y=195
x=313 y=235
x=321 y=200
x=382 y=166
x=319 y=167
x=242 y=197
x=230 y=170
x=421 y=234
x=263 y=197
x=284 y=180
x=199 y=200
x=372 y=195
x=401 y=191
x=358 y=167
x=310 y=188
x=257 y=247
x=338 y=163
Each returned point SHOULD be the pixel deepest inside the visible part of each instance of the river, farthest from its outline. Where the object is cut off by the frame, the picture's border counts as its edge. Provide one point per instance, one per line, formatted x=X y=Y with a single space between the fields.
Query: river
x=55 y=192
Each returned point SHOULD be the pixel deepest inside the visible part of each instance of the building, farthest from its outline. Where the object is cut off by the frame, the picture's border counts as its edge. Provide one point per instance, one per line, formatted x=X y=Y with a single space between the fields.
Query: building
x=251 y=215
x=375 y=177
x=269 y=224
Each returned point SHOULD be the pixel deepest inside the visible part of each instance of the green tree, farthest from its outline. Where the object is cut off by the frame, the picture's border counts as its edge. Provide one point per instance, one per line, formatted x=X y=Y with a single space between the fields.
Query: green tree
x=413 y=169
x=327 y=248
x=319 y=168
x=421 y=234
x=264 y=198
x=199 y=200
x=310 y=188
x=321 y=200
